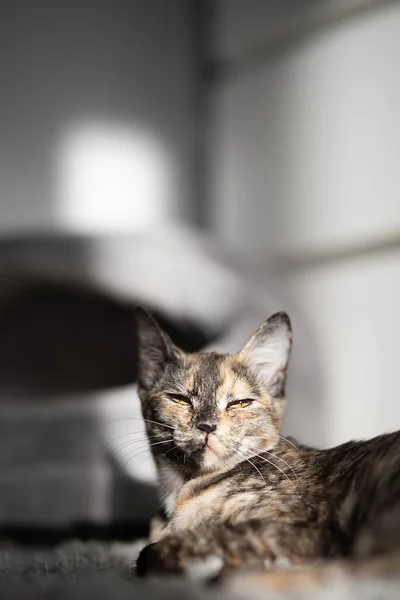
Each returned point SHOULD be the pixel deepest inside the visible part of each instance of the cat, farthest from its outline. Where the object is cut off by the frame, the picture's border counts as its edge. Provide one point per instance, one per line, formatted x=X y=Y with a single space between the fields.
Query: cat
x=232 y=488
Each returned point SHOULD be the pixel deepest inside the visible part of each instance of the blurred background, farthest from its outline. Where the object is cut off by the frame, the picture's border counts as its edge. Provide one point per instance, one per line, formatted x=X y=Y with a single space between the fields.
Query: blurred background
x=215 y=161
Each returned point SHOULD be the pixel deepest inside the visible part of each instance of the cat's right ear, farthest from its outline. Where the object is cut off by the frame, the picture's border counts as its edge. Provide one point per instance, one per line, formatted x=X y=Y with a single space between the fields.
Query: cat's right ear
x=155 y=349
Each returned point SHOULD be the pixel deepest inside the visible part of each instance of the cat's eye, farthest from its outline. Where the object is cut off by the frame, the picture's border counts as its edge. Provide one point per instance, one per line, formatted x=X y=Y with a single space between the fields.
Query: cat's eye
x=239 y=403
x=179 y=399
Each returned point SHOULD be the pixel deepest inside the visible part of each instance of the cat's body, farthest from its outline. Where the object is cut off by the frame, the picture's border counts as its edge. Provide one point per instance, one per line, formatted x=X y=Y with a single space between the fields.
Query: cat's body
x=310 y=485
x=231 y=486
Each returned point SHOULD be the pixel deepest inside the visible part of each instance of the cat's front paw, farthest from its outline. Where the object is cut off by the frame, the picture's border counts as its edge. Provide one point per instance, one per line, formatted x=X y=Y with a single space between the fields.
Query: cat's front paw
x=160 y=558
x=178 y=555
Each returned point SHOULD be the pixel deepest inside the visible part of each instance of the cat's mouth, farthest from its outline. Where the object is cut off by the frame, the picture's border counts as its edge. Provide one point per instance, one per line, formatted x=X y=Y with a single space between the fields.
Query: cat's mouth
x=206 y=445
x=211 y=446
x=203 y=447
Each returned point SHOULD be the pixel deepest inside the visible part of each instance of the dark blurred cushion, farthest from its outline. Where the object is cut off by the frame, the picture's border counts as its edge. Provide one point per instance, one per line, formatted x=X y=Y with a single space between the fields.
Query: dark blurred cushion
x=57 y=338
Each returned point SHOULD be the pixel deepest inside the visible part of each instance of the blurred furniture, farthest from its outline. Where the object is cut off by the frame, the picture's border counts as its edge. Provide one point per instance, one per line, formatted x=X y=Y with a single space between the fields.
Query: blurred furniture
x=68 y=354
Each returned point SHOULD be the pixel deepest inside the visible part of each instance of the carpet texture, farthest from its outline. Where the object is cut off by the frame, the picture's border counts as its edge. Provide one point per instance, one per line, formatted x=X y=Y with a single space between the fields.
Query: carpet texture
x=86 y=570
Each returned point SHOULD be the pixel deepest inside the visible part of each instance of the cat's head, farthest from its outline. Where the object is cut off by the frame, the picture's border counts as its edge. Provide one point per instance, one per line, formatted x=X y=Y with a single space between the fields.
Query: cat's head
x=211 y=411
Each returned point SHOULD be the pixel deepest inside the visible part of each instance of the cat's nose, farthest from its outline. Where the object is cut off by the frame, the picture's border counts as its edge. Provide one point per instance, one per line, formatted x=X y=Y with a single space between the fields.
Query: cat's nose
x=206 y=427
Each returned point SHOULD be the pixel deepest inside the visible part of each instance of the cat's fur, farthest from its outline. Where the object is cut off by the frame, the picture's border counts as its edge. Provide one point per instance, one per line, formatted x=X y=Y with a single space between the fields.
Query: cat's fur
x=231 y=486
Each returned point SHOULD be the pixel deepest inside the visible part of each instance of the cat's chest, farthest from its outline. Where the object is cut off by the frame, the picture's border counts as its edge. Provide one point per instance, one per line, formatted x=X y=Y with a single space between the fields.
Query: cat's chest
x=195 y=504
x=206 y=501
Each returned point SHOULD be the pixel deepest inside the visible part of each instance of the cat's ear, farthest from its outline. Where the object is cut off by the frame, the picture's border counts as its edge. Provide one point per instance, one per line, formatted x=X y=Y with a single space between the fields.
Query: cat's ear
x=268 y=351
x=155 y=348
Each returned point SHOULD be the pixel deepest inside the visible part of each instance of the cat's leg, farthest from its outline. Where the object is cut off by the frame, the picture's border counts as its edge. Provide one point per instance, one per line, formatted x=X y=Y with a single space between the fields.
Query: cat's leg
x=236 y=545
x=158 y=526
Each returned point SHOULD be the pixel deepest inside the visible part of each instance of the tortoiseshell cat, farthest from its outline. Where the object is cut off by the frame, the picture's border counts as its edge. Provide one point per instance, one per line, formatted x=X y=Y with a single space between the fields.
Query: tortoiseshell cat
x=231 y=486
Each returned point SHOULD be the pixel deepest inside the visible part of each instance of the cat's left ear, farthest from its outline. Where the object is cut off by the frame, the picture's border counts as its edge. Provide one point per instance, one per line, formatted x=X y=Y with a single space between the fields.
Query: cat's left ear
x=268 y=351
x=155 y=349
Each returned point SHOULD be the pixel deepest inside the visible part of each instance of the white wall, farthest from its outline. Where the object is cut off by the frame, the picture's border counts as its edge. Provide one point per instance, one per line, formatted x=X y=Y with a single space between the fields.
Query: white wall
x=306 y=159
x=354 y=311
x=84 y=84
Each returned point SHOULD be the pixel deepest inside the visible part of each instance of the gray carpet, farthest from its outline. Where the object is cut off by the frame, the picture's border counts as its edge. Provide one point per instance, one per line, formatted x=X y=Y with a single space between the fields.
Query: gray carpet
x=86 y=570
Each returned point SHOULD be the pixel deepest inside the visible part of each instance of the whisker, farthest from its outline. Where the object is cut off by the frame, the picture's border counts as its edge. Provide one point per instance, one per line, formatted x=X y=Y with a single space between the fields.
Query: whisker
x=138 y=431
x=281 y=437
x=127 y=443
x=253 y=465
x=161 y=442
x=284 y=461
x=153 y=444
x=168 y=451
x=113 y=451
x=258 y=470
x=287 y=441
x=131 y=433
x=142 y=419
x=132 y=457
x=142 y=451
x=135 y=449
x=249 y=461
x=145 y=437
x=281 y=459
x=276 y=467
